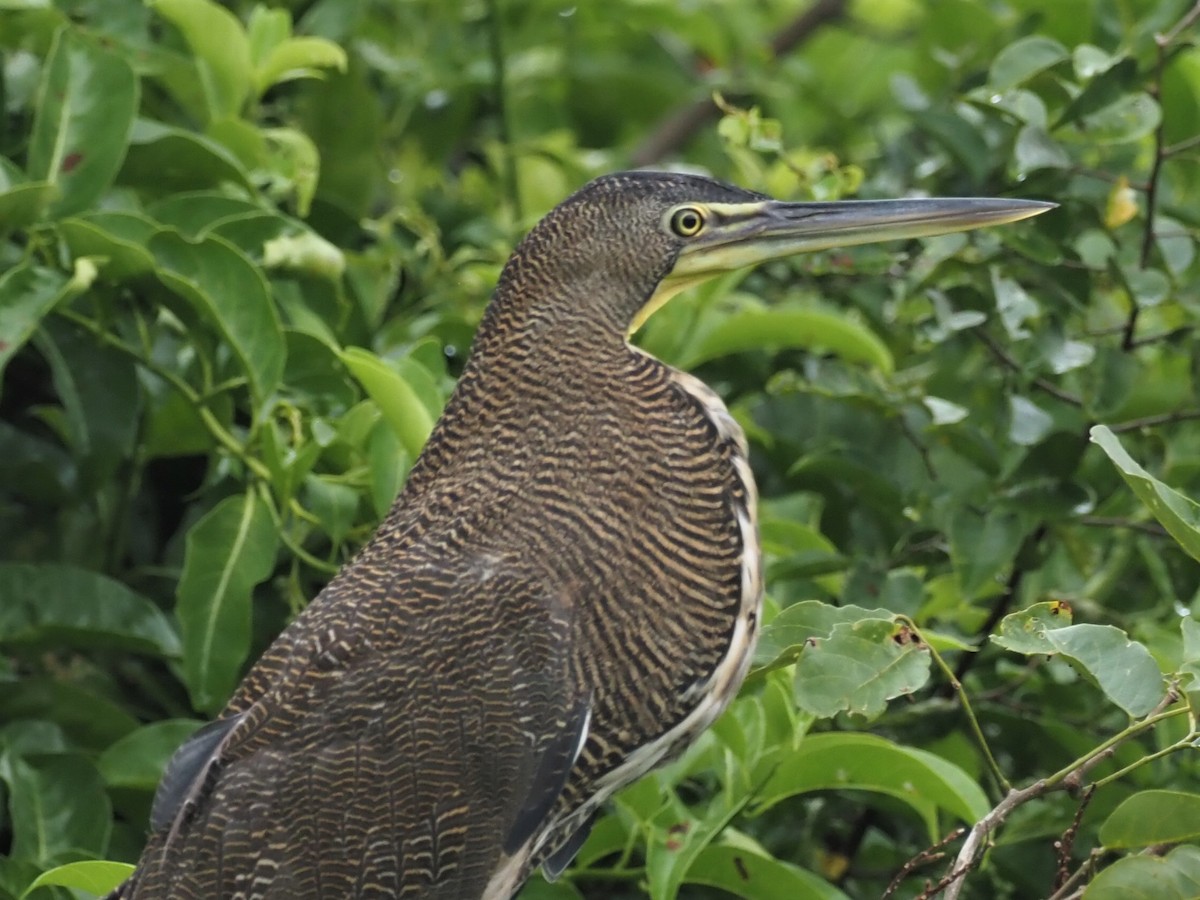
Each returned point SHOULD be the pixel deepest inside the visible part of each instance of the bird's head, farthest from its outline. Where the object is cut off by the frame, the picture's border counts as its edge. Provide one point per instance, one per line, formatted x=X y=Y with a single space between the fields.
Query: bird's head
x=620 y=247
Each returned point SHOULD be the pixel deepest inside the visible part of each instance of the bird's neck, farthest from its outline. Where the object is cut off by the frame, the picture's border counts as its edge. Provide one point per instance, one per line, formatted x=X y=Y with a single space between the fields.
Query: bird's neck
x=532 y=376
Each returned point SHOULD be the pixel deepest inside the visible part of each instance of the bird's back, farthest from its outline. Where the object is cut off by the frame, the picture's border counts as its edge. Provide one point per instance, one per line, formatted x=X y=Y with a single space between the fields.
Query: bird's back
x=552 y=607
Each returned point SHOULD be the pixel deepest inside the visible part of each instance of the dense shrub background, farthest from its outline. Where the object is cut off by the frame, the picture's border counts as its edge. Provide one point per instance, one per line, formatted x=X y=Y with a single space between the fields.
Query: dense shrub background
x=243 y=250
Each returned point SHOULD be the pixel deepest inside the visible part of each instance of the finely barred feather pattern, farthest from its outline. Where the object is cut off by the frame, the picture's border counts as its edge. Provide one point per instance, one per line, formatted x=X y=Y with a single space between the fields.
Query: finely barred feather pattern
x=574 y=554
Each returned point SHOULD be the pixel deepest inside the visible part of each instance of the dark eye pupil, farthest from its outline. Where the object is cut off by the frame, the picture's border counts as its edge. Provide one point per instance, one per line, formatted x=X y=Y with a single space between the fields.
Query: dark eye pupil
x=688 y=222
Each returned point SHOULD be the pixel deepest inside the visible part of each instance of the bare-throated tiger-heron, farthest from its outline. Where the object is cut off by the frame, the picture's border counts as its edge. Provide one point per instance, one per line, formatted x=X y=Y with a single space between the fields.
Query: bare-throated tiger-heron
x=565 y=594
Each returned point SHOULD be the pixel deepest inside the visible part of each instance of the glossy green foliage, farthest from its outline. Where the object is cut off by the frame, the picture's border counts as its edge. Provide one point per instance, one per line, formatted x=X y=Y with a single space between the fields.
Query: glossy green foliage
x=243 y=252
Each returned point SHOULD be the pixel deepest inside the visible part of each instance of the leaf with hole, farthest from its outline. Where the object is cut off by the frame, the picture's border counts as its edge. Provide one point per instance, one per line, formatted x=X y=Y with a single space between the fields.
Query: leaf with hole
x=859 y=667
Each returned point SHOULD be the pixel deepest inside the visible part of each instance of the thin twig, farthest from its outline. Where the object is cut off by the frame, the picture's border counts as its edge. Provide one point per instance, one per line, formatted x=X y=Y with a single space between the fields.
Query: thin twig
x=1183 y=146
x=1064 y=845
x=1041 y=384
x=1186 y=743
x=1183 y=415
x=1181 y=331
x=1150 y=528
x=957 y=688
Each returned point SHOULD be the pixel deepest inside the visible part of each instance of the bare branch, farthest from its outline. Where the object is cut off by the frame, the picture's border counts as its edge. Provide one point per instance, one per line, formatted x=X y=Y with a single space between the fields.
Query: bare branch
x=925 y=857
x=678 y=128
x=1070 y=778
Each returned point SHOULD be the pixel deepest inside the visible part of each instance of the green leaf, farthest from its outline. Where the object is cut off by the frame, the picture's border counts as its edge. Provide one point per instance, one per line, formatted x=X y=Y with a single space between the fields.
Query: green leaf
x=388 y=464
x=53 y=604
x=538 y=888
x=396 y=399
x=1175 y=876
x=163 y=159
x=294 y=157
x=335 y=505
x=84 y=115
x=92 y=875
x=101 y=403
x=1028 y=422
x=266 y=30
x=677 y=838
x=1176 y=513
x=756 y=877
x=1035 y=149
x=222 y=50
x=196 y=213
x=1152 y=817
x=1023 y=59
x=231 y=293
x=58 y=806
x=814 y=329
x=90 y=720
x=27 y=293
x=23 y=204
x=229 y=551
x=1130 y=118
x=850 y=761
x=302 y=57
x=138 y=759
x=1190 y=664
x=982 y=546
x=1123 y=669
x=1105 y=89
x=1014 y=304
x=859 y=667
x=117 y=240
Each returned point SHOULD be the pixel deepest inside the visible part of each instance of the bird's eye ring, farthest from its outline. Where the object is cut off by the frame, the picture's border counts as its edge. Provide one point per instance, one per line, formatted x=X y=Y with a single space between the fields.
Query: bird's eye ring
x=687 y=221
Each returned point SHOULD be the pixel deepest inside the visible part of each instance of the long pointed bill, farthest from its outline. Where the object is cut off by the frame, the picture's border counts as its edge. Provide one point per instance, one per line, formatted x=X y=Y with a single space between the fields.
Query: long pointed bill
x=738 y=235
x=745 y=234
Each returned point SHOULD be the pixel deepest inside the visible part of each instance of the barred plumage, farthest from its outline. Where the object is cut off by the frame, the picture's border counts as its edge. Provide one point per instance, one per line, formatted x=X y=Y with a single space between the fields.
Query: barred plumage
x=564 y=595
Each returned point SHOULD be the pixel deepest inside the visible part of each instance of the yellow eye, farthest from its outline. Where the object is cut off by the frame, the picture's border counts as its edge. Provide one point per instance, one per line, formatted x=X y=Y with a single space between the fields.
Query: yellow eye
x=687 y=221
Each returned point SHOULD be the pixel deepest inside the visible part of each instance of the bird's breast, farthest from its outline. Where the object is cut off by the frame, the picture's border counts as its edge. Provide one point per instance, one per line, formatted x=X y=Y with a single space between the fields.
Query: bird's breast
x=668 y=618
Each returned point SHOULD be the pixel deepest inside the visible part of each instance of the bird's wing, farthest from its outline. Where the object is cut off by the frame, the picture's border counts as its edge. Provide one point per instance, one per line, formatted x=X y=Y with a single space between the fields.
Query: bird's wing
x=412 y=739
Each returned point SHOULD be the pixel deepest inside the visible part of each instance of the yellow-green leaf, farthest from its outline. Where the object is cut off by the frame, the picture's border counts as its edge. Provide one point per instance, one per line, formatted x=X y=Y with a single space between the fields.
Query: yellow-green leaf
x=396 y=399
